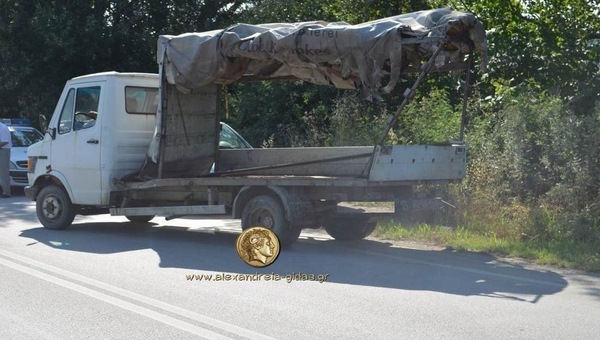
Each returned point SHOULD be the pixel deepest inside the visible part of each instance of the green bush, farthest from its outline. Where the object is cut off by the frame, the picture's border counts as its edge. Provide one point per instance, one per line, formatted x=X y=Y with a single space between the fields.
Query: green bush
x=533 y=172
x=430 y=118
x=356 y=122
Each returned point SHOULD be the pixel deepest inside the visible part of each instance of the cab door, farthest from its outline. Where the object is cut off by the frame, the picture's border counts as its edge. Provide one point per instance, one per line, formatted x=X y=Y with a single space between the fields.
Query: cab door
x=76 y=148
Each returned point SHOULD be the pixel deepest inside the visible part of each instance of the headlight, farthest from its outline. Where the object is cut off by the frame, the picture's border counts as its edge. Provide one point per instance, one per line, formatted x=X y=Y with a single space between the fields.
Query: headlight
x=12 y=166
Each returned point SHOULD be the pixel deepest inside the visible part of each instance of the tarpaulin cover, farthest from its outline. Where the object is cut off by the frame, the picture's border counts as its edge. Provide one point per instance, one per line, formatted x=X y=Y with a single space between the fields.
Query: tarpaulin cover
x=339 y=54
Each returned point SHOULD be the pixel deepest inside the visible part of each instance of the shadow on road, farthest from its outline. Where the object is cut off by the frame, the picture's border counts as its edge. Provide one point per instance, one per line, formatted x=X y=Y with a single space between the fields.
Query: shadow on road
x=17 y=208
x=366 y=263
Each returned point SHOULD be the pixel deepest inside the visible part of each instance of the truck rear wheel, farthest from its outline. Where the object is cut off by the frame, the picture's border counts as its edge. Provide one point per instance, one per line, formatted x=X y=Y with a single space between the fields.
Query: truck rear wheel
x=266 y=211
x=54 y=208
x=140 y=219
x=344 y=229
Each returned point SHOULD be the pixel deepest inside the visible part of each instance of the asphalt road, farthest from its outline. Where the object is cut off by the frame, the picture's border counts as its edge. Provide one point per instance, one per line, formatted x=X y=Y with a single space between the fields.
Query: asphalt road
x=106 y=278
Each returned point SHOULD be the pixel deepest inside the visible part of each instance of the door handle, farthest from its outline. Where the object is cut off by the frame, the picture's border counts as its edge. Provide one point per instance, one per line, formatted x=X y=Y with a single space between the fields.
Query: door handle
x=92 y=141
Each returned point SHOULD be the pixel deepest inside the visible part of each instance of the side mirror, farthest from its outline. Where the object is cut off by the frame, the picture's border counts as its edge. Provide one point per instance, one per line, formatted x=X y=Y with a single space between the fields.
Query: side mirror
x=44 y=126
x=43 y=123
x=225 y=145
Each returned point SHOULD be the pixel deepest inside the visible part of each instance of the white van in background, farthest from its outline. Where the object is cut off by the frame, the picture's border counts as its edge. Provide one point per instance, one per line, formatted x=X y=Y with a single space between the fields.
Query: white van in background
x=22 y=136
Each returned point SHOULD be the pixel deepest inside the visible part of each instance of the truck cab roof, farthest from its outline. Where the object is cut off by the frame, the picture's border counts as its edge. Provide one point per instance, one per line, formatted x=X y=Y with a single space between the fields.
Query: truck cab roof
x=96 y=76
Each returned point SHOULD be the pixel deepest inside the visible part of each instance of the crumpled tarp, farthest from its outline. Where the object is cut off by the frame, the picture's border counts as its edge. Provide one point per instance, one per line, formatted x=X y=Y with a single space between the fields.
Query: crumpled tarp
x=339 y=54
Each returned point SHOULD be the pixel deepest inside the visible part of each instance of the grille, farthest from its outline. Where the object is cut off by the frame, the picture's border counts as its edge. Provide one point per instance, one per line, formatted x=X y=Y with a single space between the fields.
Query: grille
x=19 y=176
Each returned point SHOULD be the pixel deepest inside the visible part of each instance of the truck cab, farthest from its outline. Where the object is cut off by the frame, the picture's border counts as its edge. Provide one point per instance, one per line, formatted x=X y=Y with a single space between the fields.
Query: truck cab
x=100 y=129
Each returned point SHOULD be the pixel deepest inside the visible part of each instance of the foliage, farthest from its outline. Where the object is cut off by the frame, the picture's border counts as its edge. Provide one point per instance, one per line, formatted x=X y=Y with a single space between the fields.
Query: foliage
x=531 y=188
x=563 y=253
x=537 y=145
x=555 y=43
x=534 y=177
x=355 y=122
x=350 y=11
x=44 y=43
x=287 y=111
x=430 y=118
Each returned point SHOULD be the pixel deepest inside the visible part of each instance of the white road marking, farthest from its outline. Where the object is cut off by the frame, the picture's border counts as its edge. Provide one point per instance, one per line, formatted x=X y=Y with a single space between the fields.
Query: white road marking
x=246 y=333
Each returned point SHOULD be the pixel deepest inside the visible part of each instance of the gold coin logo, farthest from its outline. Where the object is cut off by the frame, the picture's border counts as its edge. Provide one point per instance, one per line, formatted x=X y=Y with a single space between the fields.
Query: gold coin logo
x=258 y=246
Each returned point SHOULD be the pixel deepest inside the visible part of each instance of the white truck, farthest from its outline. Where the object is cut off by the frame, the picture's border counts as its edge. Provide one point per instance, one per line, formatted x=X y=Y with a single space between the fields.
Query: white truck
x=141 y=145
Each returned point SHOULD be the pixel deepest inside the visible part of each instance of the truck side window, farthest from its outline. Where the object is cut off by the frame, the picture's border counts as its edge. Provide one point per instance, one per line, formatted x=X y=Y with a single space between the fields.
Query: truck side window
x=86 y=107
x=66 y=115
x=141 y=100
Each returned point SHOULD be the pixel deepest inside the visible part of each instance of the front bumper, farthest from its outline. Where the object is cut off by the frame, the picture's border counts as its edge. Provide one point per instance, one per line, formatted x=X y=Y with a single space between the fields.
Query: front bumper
x=31 y=192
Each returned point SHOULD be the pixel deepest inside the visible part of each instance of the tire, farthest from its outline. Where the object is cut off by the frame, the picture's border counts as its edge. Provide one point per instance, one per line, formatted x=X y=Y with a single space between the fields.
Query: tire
x=54 y=208
x=140 y=219
x=349 y=230
x=266 y=211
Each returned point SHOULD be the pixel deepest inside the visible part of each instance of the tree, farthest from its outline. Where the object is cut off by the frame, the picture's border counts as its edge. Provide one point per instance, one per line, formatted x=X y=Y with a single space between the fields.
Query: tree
x=44 y=43
x=555 y=43
x=351 y=11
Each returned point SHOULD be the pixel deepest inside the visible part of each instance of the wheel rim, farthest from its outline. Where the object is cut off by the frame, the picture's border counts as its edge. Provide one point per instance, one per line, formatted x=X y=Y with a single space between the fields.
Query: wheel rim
x=51 y=207
x=263 y=218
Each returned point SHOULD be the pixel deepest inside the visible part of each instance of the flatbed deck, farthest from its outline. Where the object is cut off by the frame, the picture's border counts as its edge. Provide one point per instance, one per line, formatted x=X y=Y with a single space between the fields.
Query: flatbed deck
x=316 y=181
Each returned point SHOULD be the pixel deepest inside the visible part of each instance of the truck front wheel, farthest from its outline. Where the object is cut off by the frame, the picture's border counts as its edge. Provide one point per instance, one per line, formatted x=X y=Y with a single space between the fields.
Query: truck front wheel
x=349 y=230
x=266 y=211
x=54 y=208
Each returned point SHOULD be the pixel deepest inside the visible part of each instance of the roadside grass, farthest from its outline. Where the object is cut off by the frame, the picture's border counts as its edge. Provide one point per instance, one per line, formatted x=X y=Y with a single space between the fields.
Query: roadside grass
x=565 y=253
